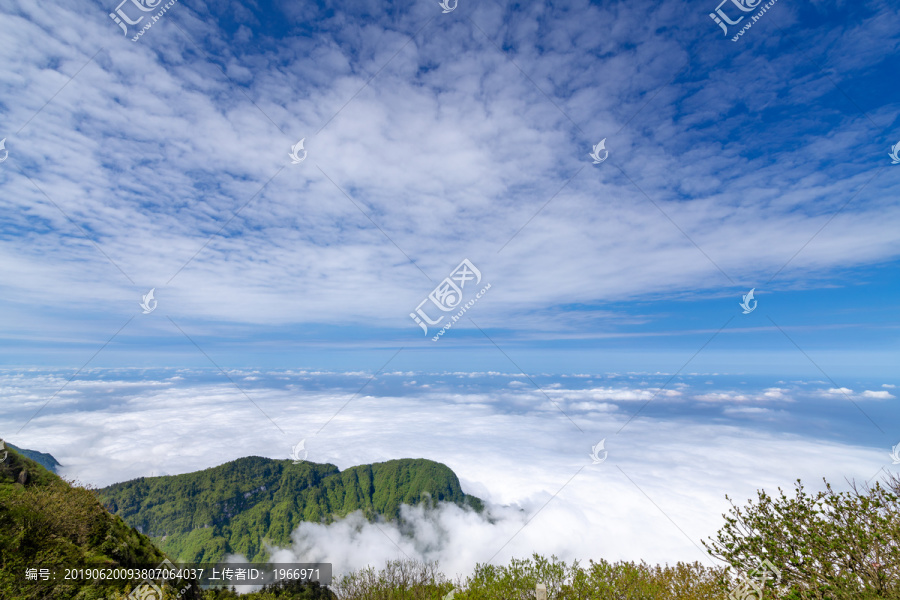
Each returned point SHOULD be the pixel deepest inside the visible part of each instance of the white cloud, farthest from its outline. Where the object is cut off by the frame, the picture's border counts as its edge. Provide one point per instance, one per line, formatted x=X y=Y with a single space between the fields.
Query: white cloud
x=843 y=391
x=449 y=534
x=746 y=410
x=734 y=396
x=722 y=397
x=877 y=395
x=591 y=406
x=619 y=394
x=449 y=163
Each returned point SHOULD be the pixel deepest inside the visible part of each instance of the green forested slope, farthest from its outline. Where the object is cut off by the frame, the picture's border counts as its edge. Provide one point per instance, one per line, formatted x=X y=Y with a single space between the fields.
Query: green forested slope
x=46 y=523
x=236 y=507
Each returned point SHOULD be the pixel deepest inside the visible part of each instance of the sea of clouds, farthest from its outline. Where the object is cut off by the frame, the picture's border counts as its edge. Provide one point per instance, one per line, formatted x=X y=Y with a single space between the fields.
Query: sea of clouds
x=525 y=451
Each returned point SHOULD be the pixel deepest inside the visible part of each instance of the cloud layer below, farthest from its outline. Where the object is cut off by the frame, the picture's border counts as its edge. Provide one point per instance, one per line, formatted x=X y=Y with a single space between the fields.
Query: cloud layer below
x=661 y=489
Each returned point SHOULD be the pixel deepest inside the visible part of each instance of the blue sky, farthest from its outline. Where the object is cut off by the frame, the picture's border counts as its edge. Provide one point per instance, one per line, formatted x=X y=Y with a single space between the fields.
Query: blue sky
x=430 y=138
x=757 y=164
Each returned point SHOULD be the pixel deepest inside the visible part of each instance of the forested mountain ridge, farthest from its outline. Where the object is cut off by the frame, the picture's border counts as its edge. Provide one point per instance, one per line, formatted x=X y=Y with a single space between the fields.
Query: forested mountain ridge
x=238 y=506
x=42 y=458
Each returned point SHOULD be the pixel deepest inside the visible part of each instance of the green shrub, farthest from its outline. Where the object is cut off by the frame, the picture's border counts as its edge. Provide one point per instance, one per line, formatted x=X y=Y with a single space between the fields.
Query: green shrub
x=827 y=545
x=411 y=580
x=398 y=580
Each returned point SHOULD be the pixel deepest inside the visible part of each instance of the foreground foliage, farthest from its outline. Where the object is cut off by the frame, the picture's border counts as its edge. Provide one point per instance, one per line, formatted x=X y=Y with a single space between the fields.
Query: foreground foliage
x=47 y=523
x=835 y=545
x=293 y=590
x=411 y=580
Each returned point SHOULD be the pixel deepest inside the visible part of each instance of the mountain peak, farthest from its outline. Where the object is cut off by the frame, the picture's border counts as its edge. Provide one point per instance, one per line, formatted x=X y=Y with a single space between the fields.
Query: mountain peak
x=237 y=506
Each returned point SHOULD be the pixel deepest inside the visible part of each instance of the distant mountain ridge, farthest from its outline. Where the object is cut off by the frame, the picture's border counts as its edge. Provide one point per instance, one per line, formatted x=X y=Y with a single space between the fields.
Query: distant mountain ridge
x=42 y=458
x=236 y=507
